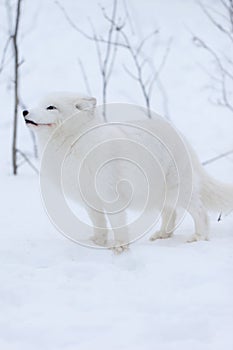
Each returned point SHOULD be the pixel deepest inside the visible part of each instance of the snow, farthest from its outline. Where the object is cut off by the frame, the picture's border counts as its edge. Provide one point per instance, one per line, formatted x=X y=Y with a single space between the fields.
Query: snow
x=56 y=294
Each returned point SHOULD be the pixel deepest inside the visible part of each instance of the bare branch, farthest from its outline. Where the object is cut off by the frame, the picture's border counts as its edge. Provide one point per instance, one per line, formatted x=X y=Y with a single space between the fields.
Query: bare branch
x=84 y=77
x=139 y=77
x=199 y=42
x=147 y=37
x=216 y=24
x=223 y=61
x=72 y=24
x=16 y=85
x=34 y=145
x=225 y=95
x=97 y=44
x=112 y=62
x=162 y=64
x=9 y=11
x=107 y=57
x=220 y=156
x=27 y=160
x=128 y=17
x=224 y=73
x=165 y=99
x=130 y=73
x=80 y=31
x=4 y=53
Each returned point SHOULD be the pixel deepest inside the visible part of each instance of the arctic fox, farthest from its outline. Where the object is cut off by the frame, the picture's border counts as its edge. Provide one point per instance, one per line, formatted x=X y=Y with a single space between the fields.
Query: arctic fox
x=192 y=190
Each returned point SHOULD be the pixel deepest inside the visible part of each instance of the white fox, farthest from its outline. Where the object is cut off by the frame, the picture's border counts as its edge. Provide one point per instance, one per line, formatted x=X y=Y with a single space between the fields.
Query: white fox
x=206 y=194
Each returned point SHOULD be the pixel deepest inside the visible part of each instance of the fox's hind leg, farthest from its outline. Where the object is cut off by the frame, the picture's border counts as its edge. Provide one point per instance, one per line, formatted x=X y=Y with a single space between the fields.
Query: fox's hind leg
x=201 y=221
x=168 y=224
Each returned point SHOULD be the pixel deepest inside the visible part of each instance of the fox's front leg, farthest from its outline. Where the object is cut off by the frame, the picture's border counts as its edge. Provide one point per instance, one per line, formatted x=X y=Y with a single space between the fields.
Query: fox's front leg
x=99 y=225
x=120 y=229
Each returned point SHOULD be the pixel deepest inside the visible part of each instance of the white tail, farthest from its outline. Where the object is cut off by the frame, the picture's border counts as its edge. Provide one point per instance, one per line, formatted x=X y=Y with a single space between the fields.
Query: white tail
x=216 y=195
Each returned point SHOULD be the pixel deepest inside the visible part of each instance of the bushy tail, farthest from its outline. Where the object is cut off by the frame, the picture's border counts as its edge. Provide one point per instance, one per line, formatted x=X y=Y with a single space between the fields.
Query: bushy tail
x=217 y=196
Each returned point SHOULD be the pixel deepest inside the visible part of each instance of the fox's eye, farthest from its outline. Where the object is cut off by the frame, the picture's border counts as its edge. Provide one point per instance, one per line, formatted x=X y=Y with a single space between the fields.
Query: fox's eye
x=51 y=107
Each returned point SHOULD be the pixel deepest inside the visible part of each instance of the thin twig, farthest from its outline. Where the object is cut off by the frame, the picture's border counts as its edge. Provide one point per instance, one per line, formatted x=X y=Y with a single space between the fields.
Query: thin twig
x=220 y=156
x=163 y=92
x=4 y=53
x=28 y=161
x=107 y=57
x=128 y=17
x=216 y=23
x=16 y=85
x=32 y=134
x=85 y=78
x=199 y=42
x=162 y=64
x=145 y=39
x=224 y=63
x=86 y=35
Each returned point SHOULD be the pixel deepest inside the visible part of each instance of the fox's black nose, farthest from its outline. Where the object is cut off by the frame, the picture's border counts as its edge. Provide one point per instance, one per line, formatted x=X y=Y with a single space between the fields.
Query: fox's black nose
x=25 y=113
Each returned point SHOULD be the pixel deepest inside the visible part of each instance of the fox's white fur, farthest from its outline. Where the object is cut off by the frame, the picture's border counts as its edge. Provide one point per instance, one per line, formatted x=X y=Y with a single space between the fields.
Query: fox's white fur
x=207 y=193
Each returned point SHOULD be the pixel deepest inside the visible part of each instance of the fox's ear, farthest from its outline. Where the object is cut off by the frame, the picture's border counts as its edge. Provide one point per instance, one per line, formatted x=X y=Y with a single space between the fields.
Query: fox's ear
x=86 y=103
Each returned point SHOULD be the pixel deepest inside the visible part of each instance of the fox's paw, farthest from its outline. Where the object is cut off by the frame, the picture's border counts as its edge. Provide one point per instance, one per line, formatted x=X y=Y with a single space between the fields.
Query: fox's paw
x=120 y=249
x=160 y=235
x=100 y=240
x=196 y=237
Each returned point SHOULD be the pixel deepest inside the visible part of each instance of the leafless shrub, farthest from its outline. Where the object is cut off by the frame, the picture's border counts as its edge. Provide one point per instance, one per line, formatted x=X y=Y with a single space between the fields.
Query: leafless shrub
x=106 y=54
x=222 y=79
x=14 y=36
x=14 y=18
x=118 y=38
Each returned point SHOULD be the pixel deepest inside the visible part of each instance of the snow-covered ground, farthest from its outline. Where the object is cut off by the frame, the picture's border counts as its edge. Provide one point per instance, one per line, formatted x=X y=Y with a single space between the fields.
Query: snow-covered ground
x=55 y=294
